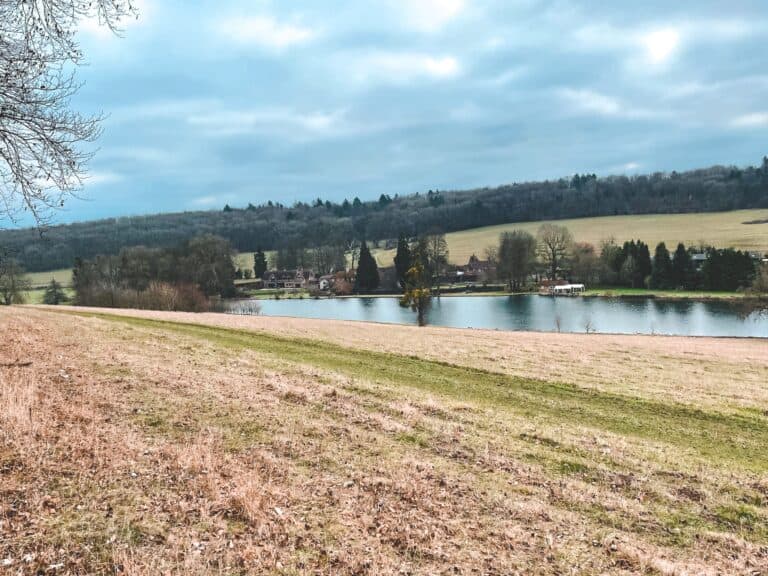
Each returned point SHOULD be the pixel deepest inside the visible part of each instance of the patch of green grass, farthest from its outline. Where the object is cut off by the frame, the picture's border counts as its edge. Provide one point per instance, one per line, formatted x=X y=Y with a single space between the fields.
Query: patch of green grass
x=412 y=438
x=741 y=518
x=42 y=279
x=735 y=439
x=620 y=292
x=568 y=467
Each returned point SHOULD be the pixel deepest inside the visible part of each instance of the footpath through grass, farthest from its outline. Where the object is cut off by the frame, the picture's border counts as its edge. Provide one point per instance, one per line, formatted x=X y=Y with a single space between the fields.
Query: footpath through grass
x=734 y=439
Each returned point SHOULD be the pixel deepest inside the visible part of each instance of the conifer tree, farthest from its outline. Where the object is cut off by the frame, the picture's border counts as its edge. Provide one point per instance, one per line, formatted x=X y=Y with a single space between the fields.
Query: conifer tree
x=367 y=278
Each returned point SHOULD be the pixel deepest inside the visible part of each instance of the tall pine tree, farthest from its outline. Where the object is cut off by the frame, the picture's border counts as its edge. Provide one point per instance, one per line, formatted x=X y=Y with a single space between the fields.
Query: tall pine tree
x=367 y=278
x=681 y=267
x=259 y=263
x=403 y=260
x=662 y=277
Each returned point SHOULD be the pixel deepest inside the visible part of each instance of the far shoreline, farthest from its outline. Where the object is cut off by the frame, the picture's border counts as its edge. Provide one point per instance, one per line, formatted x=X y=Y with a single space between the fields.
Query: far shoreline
x=605 y=293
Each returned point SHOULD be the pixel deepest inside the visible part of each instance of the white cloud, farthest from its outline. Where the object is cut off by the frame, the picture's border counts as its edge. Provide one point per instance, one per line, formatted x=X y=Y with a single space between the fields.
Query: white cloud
x=97 y=178
x=661 y=45
x=654 y=47
x=430 y=15
x=282 y=122
x=591 y=102
x=404 y=67
x=755 y=120
x=264 y=32
x=137 y=154
x=507 y=76
x=208 y=201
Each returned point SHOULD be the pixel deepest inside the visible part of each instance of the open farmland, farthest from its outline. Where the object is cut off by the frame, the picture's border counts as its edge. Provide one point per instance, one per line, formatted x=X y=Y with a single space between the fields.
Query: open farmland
x=42 y=279
x=721 y=229
x=203 y=444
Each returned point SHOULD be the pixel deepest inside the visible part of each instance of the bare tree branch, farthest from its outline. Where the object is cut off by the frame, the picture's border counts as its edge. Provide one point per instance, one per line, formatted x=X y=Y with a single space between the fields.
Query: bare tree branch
x=42 y=160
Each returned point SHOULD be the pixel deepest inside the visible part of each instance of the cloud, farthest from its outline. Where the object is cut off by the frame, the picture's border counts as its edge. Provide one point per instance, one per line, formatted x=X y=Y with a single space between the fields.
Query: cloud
x=404 y=67
x=596 y=103
x=283 y=122
x=660 y=45
x=160 y=109
x=653 y=47
x=467 y=112
x=265 y=32
x=137 y=154
x=754 y=120
x=97 y=178
x=429 y=15
x=208 y=201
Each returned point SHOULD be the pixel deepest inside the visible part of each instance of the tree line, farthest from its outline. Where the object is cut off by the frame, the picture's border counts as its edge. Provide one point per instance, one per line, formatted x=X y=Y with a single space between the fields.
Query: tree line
x=274 y=226
x=554 y=254
x=185 y=277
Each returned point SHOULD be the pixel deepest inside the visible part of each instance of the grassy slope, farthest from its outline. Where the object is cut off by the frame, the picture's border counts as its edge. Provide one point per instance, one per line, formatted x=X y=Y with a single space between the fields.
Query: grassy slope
x=310 y=455
x=724 y=229
x=721 y=438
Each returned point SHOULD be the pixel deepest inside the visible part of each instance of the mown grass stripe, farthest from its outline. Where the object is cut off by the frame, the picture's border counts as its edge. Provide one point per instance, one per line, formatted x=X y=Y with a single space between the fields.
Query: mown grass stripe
x=728 y=439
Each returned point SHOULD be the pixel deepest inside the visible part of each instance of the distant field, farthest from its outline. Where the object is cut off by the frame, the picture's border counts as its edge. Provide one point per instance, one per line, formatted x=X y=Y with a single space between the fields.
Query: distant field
x=726 y=229
x=722 y=229
x=35 y=296
x=42 y=279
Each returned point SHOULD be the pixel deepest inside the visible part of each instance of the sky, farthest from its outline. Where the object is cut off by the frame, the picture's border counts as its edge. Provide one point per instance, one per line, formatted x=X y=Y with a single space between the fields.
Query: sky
x=216 y=102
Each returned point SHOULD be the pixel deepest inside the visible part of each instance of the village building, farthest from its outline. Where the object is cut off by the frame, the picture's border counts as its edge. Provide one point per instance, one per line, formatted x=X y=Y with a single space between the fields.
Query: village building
x=289 y=279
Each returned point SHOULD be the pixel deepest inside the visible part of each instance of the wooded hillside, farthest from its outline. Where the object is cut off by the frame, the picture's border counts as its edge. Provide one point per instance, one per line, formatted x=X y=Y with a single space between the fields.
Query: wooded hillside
x=272 y=226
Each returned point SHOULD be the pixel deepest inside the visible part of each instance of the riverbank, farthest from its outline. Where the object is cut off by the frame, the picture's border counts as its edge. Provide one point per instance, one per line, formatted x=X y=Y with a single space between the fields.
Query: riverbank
x=606 y=292
x=700 y=295
x=169 y=442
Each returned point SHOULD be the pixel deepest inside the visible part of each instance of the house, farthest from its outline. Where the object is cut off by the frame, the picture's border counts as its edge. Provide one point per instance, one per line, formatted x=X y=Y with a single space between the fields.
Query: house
x=477 y=266
x=289 y=279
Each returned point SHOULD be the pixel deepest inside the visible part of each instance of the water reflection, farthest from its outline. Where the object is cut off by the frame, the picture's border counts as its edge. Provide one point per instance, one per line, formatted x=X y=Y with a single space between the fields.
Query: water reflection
x=544 y=313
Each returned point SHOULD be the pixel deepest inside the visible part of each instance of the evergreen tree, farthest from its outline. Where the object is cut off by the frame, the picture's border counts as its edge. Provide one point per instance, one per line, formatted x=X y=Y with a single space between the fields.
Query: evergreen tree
x=403 y=259
x=727 y=269
x=662 y=276
x=644 y=265
x=259 y=263
x=367 y=278
x=681 y=267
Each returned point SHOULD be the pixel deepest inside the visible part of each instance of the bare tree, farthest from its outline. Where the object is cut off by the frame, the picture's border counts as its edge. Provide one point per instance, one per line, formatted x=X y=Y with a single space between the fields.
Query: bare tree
x=42 y=161
x=516 y=253
x=554 y=244
x=13 y=282
x=436 y=248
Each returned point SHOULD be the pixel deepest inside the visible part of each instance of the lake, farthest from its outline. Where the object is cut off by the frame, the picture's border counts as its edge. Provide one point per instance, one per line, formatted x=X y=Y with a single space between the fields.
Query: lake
x=543 y=313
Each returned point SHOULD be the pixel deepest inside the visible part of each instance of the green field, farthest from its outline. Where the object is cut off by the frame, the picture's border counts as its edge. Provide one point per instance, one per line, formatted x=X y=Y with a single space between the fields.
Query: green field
x=722 y=229
x=42 y=279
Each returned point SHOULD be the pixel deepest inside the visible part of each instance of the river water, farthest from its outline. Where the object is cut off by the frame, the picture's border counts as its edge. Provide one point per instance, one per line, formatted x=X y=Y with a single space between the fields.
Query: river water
x=543 y=313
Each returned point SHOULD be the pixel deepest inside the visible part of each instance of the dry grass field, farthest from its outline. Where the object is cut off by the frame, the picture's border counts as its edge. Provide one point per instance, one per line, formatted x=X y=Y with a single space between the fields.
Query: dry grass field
x=722 y=229
x=158 y=443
